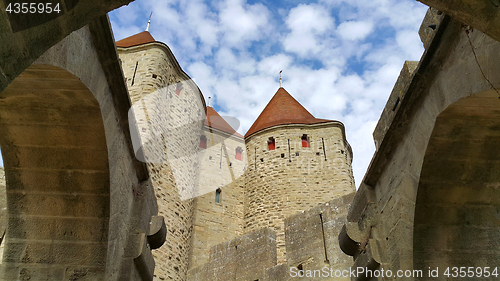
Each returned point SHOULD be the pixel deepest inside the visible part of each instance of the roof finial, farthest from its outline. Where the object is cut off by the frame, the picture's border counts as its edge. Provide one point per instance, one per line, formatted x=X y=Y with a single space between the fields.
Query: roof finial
x=149 y=21
x=281 y=82
x=209 y=98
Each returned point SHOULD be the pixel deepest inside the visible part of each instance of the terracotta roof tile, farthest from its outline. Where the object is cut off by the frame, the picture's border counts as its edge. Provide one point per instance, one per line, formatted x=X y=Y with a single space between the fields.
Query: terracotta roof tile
x=214 y=120
x=134 y=40
x=283 y=109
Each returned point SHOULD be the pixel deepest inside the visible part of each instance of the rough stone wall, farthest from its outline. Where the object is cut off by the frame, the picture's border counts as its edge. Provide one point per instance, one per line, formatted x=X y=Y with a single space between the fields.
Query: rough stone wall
x=169 y=123
x=311 y=246
x=3 y=210
x=428 y=197
x=140 y=63
x=292 y=178
x=69 y=168
x=214 y=223
x=24 y=40
x=3 y=201
x=456 y=219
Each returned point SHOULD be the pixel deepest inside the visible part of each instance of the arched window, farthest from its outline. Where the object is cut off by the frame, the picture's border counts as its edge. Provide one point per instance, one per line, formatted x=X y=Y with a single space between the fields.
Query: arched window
x=239 y=150
x=203 y=142
x=271 y=144
x=218 y=194
x=305 y=141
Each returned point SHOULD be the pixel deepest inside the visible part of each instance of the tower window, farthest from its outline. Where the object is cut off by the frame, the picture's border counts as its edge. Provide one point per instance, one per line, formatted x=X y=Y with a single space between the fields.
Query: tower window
x=154 y=76
x=218 y=194
x=178 y=88
x=239 y=150
x=203 y=142
x=305 y=141
x=271 y=144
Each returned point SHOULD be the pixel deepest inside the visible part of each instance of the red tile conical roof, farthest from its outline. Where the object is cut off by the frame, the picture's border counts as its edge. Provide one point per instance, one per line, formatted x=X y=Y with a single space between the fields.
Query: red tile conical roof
x=214 y=120
x=134 y=40
x=283 y=109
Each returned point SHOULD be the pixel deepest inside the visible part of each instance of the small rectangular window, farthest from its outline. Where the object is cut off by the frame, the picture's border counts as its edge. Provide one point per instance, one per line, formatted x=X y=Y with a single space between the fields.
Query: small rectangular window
x=178 y=88
x=218 y=194
x=396 y=105
x=239 y=150
x=271 y=145
x=305 y=141
x=203 y=142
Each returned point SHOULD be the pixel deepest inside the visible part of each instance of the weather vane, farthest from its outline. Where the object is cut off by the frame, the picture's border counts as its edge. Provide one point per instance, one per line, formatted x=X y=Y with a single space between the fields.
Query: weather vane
x=281 y=82
x=149 y=21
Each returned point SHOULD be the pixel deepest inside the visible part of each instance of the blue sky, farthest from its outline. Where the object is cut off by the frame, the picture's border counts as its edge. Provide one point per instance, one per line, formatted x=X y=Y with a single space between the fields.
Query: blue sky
x=340 y=58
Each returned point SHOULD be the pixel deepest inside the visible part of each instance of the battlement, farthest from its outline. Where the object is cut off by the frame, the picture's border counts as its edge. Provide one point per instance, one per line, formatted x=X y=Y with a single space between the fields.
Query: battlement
x=394 y=102
x=311 y=244
x=427 y=32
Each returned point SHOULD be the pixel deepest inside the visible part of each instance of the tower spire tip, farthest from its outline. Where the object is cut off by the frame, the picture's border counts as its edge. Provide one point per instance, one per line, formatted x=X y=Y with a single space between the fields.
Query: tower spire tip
x=149 y=21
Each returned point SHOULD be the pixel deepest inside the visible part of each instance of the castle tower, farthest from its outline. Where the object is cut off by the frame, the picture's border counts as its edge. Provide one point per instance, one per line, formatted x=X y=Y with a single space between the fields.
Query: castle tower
x=295 y=162
x=168 y=109
x=218 y=208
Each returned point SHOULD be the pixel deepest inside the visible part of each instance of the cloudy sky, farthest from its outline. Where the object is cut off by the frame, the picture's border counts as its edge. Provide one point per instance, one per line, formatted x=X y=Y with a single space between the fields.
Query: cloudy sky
x=340 y=58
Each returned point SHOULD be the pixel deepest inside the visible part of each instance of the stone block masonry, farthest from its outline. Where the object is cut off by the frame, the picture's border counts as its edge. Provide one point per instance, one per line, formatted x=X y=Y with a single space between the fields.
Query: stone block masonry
x=3 y=210
x=311 y=245
x=430 y=196
x=220 y=219
x=293 y=178
x=167 y=102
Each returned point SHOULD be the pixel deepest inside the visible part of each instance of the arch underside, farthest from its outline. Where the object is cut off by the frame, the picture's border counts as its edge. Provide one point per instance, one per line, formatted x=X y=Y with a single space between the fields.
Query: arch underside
x=57 y=172
x=457 y=213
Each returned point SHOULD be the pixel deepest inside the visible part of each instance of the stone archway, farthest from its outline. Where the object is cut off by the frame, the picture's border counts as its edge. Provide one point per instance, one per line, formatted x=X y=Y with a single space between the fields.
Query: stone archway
x=24 y=39
x=57 y=172
x=457 y=212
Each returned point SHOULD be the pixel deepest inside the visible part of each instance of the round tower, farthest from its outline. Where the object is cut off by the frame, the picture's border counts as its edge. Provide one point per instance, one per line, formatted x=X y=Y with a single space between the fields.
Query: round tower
x=167 y=108
x=295 y=162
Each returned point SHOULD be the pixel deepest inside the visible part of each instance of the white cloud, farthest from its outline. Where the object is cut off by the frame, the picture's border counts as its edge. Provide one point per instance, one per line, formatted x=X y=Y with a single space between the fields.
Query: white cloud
x=307 y=24
x=242 y=23
x=309 y=19
x=273 y=64
x=355 y=30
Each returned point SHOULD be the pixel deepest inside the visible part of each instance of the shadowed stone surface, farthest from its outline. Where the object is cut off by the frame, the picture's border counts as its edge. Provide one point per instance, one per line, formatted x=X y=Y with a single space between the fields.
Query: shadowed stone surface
x=430 y=196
